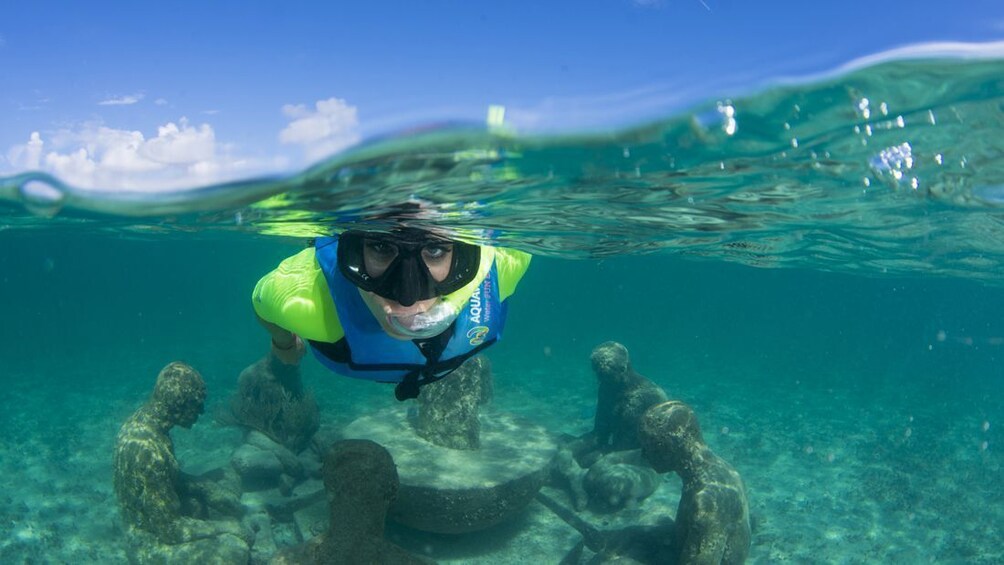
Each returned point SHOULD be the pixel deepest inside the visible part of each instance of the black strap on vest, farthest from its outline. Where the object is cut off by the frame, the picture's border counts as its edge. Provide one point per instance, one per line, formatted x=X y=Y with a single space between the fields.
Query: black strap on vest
x=434 y=370
x=432 y=349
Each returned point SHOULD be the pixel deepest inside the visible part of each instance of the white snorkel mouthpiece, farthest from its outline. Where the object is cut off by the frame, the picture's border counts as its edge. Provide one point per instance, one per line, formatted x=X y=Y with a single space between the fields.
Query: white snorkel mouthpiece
x=430 y=323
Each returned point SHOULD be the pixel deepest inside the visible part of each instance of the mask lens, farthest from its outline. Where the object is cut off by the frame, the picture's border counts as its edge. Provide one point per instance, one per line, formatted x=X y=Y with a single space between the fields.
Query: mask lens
x=407 y=268
x=378 y=256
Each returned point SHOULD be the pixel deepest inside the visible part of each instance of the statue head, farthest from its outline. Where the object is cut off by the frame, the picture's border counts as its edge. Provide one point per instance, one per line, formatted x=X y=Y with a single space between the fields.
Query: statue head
x=610 y=360
x=669 y=435
x=362 y=474
x=179 y=395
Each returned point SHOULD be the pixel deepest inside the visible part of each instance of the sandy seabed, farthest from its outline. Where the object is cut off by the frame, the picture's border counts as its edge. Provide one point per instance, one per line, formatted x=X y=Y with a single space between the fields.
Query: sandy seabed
x=835 y=473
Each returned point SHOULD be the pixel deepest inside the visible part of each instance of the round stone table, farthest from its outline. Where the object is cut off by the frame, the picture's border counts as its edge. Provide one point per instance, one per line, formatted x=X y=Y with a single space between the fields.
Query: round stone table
x=454 y=491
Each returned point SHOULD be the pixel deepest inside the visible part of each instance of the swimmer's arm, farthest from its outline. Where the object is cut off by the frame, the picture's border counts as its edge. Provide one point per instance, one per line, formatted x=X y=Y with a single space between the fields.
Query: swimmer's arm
x=511 y=265
x=293 y=304
x=286 y=345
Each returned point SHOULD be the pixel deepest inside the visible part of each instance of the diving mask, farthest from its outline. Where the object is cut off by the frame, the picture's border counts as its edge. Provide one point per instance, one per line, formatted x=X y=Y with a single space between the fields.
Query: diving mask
x=401 y=264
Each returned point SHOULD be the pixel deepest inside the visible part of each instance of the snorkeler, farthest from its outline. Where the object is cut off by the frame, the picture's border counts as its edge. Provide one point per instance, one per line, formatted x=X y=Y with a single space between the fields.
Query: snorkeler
x=406 y=307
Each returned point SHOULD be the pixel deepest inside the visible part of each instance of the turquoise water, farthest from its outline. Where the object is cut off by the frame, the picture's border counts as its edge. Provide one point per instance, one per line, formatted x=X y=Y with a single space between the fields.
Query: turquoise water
x=827 y=299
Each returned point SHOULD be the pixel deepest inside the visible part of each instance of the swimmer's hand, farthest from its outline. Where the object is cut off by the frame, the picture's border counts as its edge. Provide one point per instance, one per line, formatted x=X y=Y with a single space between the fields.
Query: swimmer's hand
x=289 y=351
x=287 y=347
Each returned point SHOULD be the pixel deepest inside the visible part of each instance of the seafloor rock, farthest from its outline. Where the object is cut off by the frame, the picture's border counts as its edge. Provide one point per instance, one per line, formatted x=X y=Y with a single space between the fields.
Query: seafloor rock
x=712 y=520
x=454 y=491
x=653 y=543
x=448 y=409
x=270 y=398
x=291 y=464
x=623 y=397
x=361 y=481
x=618 y=479
x=220 y=548
x=259 y=469
x=264 y=545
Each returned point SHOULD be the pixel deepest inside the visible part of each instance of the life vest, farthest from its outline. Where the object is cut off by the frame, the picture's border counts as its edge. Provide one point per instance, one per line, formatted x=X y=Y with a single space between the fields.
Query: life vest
x=367 y=352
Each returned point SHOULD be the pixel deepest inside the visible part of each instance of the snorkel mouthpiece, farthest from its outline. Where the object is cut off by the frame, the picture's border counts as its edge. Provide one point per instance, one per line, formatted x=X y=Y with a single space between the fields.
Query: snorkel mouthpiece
x=425 y=324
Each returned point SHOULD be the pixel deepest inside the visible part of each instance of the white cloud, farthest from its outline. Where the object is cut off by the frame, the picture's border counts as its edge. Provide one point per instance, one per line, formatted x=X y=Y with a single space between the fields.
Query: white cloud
x=122 y=100
x=332 y=125
x=184 y=144
x=96 y=156
x=29 y=155
x=160 y=102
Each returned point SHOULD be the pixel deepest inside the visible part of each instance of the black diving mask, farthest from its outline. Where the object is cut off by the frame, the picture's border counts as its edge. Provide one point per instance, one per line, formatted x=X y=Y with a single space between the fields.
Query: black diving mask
x=402 y=262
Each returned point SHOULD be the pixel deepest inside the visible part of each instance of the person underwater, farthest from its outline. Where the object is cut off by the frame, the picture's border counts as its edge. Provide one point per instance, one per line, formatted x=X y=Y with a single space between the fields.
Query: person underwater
x=405 y=307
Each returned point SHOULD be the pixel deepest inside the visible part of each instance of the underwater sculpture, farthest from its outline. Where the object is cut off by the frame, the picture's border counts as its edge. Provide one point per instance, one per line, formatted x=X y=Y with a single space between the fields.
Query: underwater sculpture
x=631 y=545
x=165 y=511
x=361 y=481
x=623 y=397
x=270 y=398
x=603 y=469
x=460 y=470
x=712 y=520
x=619 y=479
x=448 y=415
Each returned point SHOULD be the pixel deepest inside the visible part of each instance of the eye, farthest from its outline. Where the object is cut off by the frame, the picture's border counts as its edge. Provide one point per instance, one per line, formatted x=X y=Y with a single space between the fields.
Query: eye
x=436 y=252
x=380 y=249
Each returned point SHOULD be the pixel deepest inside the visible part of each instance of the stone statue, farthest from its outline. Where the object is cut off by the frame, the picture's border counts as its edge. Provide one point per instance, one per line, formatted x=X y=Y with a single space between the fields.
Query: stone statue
x=361 y=481
x=623 y=397
x=712 y=520
x=271 y=399
x=618 y=480
x=448 y=410
x=163 y=508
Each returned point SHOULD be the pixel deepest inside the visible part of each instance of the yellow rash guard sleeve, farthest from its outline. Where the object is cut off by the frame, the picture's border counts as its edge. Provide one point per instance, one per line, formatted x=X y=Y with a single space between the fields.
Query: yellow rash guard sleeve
x=511 y=265
x=295 y=297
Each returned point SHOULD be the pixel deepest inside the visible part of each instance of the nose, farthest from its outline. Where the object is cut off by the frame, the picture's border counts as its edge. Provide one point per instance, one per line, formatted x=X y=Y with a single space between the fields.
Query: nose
x=408 y=289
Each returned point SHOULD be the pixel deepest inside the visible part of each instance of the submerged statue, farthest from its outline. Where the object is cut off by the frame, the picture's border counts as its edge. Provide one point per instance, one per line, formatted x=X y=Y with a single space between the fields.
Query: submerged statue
x=448 y=414
x=361 y=481
x=603 y=469
x=164 y=509
x=271 y=399
x=623 y=397
x=712 y=520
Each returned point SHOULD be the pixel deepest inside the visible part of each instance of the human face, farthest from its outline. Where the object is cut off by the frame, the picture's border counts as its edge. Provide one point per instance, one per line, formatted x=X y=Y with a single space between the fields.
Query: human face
x=378 y=255
x=407 y=321
x=407 y=267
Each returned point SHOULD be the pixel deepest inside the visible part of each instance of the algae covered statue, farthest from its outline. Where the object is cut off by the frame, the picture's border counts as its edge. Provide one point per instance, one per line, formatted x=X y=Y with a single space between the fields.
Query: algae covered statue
x=604 y=468
x=361 y=481
x=405 y=307
x=623 y=397
x=712 y=520
x=164 y=509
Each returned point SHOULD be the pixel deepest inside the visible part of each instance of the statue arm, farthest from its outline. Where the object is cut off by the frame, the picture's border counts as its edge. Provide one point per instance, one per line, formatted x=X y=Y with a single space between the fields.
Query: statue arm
x=704 y=540
x=211 y=494
x=145 y=483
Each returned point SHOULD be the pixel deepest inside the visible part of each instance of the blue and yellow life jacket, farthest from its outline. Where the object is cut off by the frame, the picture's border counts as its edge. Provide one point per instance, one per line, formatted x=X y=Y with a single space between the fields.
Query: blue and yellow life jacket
x=367 y=352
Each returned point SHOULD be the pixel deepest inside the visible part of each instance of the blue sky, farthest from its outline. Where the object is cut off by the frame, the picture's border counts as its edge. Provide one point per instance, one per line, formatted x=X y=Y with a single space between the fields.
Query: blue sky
x=138 y=94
